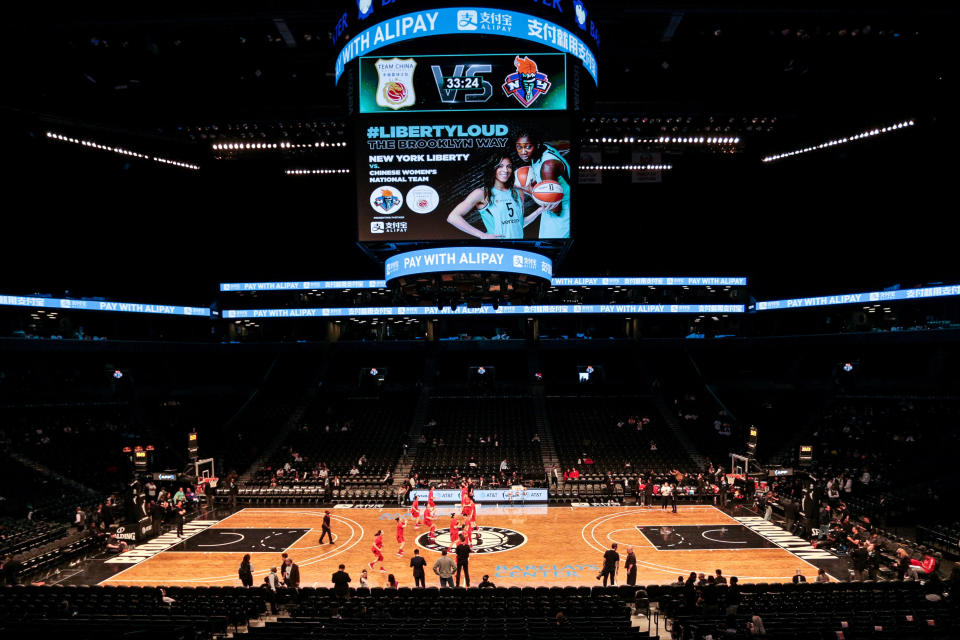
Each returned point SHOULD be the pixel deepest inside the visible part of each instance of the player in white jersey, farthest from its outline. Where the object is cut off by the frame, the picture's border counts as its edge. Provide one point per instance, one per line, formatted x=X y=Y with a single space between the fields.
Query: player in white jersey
x=499 y=204
x=546 y=163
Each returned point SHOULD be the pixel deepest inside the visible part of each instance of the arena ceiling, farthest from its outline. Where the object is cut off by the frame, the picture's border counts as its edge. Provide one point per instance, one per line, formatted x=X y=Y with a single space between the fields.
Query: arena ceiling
x=176 y=78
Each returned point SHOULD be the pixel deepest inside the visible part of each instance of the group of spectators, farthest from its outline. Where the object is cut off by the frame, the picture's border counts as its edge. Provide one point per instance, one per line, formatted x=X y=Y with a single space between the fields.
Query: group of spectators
x=816 y=507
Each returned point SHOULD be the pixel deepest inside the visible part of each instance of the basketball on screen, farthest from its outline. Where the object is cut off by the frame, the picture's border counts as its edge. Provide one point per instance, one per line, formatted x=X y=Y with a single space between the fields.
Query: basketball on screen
x=547 y=192
x=522 y=179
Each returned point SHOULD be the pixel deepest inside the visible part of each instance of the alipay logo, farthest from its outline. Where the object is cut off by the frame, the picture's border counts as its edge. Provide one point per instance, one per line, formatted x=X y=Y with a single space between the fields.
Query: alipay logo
x=376 y=227
x=581 y=13
x=518 y=261
x=365 y=8
x=467 y=20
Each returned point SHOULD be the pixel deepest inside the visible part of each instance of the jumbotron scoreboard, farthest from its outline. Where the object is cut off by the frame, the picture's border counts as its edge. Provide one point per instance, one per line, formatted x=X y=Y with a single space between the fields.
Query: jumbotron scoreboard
x=465 y=153
x=464 y=117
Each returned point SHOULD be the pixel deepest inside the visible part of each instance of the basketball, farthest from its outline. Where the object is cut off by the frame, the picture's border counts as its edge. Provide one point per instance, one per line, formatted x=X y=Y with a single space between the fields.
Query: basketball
x=548 y=192
x=522 y=177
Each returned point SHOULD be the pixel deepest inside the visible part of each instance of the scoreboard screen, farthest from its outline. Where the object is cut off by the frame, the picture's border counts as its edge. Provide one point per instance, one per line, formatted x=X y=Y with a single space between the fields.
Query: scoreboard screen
x=480 y=82
x=458 y=147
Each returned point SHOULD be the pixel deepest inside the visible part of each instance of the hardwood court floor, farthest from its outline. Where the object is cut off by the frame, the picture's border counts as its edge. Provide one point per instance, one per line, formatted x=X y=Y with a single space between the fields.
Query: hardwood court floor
x=558 y=546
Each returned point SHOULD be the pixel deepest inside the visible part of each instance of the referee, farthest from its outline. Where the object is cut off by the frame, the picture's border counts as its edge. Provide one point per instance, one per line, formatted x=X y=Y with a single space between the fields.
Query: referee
x=326 y=528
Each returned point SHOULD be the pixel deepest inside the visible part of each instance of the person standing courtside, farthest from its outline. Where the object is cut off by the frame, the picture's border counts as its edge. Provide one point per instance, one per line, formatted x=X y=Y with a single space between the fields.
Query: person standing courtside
x=611 y=564
x=463 y=559
x=181 y=515
x=341 y=580
x=291 y=574
x=325 y=528
x=444 y=568
x=418 y=564
x=630 y=567
x=246 y=571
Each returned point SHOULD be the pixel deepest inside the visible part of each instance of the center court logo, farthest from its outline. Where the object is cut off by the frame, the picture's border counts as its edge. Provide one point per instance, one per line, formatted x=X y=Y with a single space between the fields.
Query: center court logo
x=492 y=540
x=467 y=20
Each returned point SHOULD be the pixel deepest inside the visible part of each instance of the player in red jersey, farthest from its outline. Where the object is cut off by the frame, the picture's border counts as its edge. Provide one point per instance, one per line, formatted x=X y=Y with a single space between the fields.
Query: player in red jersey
x=401 y=525
x=464 y=493
x=415 y=511
x=377 y=550
x=473 y=520
x=454 y=530
x=430 y=502
x=430 y=520
x=467 y=532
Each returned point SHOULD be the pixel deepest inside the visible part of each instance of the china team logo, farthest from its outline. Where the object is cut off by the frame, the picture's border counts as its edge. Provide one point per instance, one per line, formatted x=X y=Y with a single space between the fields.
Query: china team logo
x=492 y=540
x=527 y=83
x=423 y=199
x=386 y=200
x=395 y=84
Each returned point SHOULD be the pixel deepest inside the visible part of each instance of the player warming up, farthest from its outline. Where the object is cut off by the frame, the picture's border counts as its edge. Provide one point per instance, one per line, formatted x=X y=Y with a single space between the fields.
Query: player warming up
x=401 y=525
x=415 y=511
x=454 y=531
x=430 y=521
x=377 y=550
x=469 y=513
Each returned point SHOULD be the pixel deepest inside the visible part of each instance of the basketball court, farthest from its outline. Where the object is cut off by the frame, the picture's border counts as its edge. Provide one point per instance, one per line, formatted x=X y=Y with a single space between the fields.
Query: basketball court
x=520 y=546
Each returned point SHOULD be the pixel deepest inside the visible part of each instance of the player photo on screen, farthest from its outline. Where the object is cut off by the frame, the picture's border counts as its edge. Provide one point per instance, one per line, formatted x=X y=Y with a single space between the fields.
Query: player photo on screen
x=501 y=208
x=496 y=207
x=544 y=173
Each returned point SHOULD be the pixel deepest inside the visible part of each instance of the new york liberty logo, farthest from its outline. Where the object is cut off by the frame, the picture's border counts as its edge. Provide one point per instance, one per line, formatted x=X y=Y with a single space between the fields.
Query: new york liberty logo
x=387 y=200
x=527 y=83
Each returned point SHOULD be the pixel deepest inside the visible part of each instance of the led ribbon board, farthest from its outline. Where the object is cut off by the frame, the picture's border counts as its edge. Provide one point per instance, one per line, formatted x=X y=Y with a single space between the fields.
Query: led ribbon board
x=446 y=259
x=586 y=281
x=102 y=305
x=482 y=495
x=682 y=281
x=861 y=298
x=308 y=285
x=466 y=21
x=518 y=310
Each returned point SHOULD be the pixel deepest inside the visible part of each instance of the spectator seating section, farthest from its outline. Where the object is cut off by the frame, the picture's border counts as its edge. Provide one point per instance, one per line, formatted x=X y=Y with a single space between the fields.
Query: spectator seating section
x=508 y=419
x=588 y=425
x=106 y=612
x=376 y=426
x=815 y=611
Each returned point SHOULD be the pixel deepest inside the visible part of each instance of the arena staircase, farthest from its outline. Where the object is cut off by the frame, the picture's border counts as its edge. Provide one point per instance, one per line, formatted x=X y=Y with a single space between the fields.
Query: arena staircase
x=36 y=466
x=402 y=470
x=307 y=398
x=548 y=450
x=671 y=421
